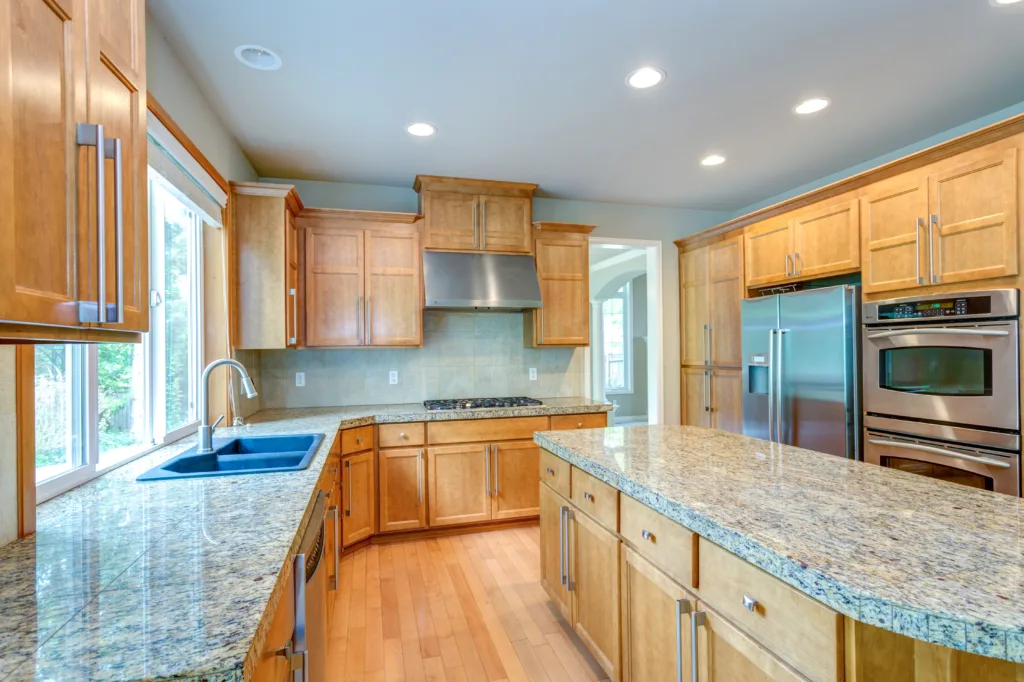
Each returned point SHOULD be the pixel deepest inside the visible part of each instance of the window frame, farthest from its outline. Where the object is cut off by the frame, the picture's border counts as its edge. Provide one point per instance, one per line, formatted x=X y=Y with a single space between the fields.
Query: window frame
x=626 y=294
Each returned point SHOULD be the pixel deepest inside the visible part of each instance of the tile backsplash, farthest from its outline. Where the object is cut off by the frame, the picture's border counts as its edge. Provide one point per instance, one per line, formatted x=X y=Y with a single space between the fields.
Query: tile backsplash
x=464 y=355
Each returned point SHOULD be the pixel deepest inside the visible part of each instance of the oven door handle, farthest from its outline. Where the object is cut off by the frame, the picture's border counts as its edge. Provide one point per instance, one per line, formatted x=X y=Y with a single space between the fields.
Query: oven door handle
x=941 y=451
x=938 y=330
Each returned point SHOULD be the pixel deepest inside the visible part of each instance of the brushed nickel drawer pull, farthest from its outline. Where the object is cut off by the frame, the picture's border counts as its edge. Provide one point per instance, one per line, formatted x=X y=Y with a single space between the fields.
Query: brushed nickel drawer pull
x=749 y=603
x=647 y=535
x=587 y=496
x=551 y=472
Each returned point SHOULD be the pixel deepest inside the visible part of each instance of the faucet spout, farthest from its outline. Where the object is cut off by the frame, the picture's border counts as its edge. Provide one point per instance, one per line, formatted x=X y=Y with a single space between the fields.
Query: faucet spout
x=205 y=429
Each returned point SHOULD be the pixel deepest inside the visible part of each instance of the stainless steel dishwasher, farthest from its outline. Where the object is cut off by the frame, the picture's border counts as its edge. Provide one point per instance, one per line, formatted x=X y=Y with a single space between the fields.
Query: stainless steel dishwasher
x=309 y=641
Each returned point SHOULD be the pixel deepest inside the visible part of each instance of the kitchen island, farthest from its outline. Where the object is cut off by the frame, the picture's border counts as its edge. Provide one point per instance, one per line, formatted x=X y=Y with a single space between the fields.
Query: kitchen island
x=834 y=569
x=177 y=579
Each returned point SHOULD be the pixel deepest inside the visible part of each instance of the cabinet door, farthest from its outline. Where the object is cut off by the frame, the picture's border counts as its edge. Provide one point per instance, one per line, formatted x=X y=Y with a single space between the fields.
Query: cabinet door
x=594 y=583
x=292 y=279
x=451 y=221
x=973 y=222
x=117 y=100
x=359 y=489
x=459 y=485
x=515 y=468
x=563 y=270
x=826 y=239
x=769 y=248
x=45 y=185
x=726 y=654
x=271 y=666
x=694 y=386
x=394 y=294
x=655 y=623
x=505 y=223
x=335 y=307
x=727 y=400
x=893 y=216
x=726 y=293
x=693 y=300
x=403 y=494
x=553 y=549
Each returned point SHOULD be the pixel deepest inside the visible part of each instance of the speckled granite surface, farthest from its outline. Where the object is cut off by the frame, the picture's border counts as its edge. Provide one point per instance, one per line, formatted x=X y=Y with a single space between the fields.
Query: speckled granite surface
x=931 y=560
x=171 y=579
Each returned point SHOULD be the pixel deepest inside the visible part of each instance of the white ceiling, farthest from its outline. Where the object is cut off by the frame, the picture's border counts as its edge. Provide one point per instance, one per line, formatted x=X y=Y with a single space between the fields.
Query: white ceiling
x=535 y=90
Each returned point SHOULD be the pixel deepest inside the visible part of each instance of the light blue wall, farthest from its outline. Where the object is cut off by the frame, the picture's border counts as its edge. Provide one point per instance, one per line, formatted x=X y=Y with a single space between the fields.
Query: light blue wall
x=173 y=87
x=353 y=196
x=945 y=136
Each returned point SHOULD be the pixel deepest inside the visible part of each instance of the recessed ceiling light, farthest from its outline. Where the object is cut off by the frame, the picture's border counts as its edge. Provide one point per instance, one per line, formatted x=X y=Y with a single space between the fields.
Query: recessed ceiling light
x=421 y=129
x=258 y=57
x=712 y=160
x=645 y=77
x=811 y=106
x=1005 y=2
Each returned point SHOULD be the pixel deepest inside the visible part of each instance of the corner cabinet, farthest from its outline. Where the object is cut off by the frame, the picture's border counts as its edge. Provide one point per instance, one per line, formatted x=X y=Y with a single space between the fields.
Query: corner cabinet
x=562 y=253
x=268 y=300
x=74 y=229
x=363 y=278
x=475 y=215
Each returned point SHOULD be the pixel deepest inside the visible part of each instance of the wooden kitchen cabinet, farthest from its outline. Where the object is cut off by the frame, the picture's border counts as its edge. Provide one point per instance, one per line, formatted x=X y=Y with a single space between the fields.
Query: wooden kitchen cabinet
x=894 y=240
x=403 y=494
x=475 y=215
x=267 y=305
x=514 y=467
x=769 y=252
x=363 y=278
x=727 y=654
x=826 y=239
x=711 y=293
x=552 y=549
x=563 y=268
x=359 y=495
x=712 y=398
x=270 y=666
x=66 y=63
x=693 y=301
x=656 y=610
x=594 y=584
x=694 y=393
x=459 y=483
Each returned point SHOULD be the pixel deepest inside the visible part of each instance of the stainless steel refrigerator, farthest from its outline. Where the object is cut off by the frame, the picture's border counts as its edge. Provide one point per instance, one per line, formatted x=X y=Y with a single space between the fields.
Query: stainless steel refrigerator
x=801 y=369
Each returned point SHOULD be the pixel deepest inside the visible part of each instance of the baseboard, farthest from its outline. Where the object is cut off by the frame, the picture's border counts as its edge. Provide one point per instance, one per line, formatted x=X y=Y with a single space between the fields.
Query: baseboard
x=442 y=531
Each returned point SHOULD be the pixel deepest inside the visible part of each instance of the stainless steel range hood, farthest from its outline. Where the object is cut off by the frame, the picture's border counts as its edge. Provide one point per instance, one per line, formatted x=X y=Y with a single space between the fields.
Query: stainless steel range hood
x=479 y=281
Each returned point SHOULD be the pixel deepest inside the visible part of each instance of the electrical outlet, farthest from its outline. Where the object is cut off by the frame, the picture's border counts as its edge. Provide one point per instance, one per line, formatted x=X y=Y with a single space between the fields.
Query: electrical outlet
x=393 y=377
x=300 y=379
x=533 y=374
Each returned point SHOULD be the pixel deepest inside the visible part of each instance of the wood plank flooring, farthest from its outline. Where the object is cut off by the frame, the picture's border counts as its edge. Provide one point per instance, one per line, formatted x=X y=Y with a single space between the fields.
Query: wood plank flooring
x=465 y=608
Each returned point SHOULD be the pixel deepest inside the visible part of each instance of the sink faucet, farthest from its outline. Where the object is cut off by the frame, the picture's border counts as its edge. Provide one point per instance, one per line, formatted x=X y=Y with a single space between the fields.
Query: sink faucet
x=205 y=430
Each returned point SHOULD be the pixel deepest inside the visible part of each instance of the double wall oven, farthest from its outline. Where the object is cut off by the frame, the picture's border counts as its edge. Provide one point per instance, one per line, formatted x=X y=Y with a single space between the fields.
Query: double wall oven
x=942 y=388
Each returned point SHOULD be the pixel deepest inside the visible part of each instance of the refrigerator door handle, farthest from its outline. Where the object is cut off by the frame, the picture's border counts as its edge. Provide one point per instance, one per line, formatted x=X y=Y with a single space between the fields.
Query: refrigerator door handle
x=771 y=382
x=778 y=392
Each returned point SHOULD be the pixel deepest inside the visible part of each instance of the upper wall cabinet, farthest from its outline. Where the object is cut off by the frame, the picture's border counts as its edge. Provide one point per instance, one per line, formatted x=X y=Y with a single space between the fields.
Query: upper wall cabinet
x=711 y=291
x=73 y=231
x=953 y=221
x=363 y=278
x=268 y=300
x=475 y=215
x=563 y=268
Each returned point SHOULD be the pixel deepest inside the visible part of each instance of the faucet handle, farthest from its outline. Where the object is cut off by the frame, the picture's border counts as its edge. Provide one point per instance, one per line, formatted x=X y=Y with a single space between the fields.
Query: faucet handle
x=219 y=420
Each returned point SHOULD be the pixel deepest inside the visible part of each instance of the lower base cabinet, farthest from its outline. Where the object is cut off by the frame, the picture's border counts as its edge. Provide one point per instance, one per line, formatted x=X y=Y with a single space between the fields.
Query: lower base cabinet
x=403 y=491
x=516 y=491
x=358 y=496
x=552 y=549
x=726 y=654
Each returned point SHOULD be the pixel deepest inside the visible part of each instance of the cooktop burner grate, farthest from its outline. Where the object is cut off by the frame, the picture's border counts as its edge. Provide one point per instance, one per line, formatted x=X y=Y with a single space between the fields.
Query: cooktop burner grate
x=475 y=403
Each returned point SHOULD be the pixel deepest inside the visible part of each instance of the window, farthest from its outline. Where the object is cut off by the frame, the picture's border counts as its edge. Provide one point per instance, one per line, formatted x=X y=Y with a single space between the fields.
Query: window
x=616 y=316
x=101 y=405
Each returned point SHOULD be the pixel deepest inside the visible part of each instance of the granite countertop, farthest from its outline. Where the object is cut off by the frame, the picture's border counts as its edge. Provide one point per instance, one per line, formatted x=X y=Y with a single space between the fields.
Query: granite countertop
x=171 y=579
x=931 y=560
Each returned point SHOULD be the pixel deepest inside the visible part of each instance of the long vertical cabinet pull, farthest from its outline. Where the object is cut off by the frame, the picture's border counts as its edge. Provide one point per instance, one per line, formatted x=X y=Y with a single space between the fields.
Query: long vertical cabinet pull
x=917 y=250
x=487 y=470
x=771 y=383
x=682 y=608
x=789 y=258
x=561 y=544
x=112 y=150
x=798 y=269
x=369 y=319
x=569 y=584
x=483 y=224
x=704 y=344
x=697 y=619
x=476 y=224
x=494 y=453
x=419 y=476
x=711 y=347
x=932 y=225
x=333 y=511
x=91 y=135
x=299 y=637
x=295 y=317
x=348 y=477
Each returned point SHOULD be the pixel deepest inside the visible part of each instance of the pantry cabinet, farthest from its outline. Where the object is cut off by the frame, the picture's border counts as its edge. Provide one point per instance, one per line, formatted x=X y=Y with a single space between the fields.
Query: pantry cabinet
x=363 y=278
x=710 y=296
x=475 y=215
x=74 y=229
x=562 y=252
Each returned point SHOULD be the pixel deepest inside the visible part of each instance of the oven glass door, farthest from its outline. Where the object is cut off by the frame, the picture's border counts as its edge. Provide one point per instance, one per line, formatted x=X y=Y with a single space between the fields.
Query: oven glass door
x=960 y=374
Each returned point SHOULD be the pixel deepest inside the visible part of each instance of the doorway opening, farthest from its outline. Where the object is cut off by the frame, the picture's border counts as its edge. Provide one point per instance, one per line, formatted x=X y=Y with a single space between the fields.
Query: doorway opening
x=625 y=357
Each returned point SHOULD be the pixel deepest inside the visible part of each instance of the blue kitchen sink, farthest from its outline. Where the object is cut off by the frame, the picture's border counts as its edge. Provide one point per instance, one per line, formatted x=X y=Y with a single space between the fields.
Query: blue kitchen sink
x=249 y=455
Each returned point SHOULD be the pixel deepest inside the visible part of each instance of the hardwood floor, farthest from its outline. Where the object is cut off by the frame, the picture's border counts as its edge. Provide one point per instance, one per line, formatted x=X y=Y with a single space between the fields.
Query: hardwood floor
x=466 y=608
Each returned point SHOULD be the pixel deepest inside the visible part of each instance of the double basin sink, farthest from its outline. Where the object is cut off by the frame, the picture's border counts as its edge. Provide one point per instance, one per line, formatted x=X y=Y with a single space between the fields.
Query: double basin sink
x=234 y=456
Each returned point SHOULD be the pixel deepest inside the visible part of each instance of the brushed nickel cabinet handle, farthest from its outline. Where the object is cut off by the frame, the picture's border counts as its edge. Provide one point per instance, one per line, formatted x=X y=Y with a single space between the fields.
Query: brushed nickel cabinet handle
x=551 y=472
x=697 y=619
x=917 y=250
x=333 y=511
x=749 y=603
x=561 y=544
x=419 y=475
x=682 y=607
x=647 y=535
x=112 y=150
x=494 y=453
x=483 y=224
x=934 y=223
x=587 y=496
x=292 y=340
x=487 y=471
x=348 y=476
x=91 y=135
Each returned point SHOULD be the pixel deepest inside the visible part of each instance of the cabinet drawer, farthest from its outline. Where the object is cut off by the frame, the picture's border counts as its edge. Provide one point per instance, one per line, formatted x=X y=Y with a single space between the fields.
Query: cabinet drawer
x=596 y=498
x=567 y=422
x=485 y=430
x=804 y=633
x=555 y=472
x=357 y=439
x=669 y=546
x=401 y=435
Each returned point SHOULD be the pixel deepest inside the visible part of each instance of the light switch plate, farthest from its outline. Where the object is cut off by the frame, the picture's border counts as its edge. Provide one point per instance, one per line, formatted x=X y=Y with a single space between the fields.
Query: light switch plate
x=533 y=374
x=393 y=377
x=300 y=379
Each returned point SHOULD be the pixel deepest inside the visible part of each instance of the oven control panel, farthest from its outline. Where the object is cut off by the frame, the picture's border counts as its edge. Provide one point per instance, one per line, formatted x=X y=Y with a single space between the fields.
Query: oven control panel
x=932 y=307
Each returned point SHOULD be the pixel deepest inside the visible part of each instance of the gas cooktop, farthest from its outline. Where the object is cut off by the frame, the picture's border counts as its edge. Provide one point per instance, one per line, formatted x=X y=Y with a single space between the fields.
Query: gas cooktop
x=474 y=403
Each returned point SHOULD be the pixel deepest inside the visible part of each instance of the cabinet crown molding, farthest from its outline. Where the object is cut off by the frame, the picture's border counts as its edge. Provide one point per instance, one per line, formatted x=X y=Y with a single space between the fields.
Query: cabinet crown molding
x=266 y=189
x=470 y=186
x=577 y=228
x=349 y=215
